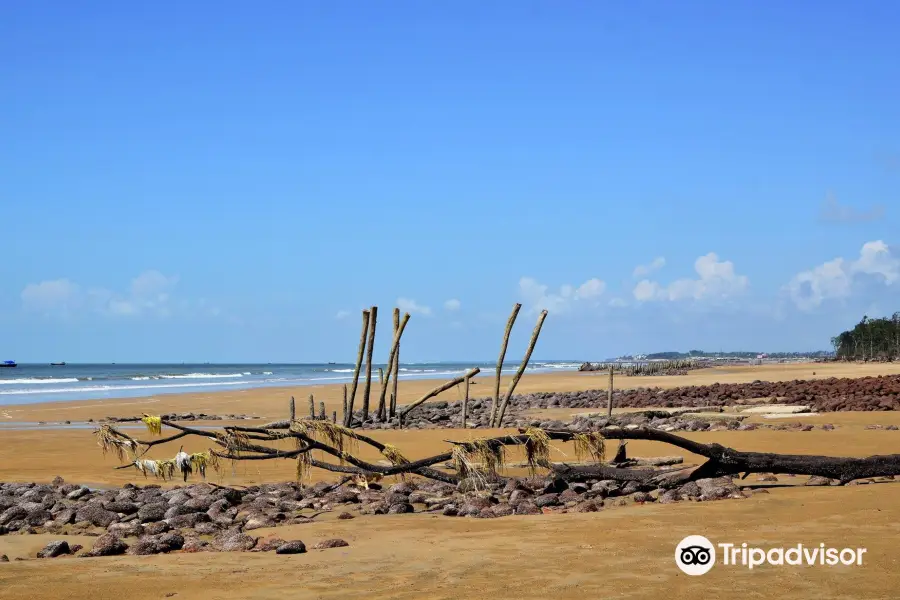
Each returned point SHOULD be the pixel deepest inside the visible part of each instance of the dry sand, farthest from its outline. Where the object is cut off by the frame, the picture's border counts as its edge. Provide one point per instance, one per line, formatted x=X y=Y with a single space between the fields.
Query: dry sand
x=626 y=552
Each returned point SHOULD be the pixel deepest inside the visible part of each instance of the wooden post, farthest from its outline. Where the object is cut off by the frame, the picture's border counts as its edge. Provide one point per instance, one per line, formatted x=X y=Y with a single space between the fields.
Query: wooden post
x=373 y=319
x=293 y=410
x=515 y=380
x=348 y=413
x=465 y=406
x=396 y=367
x=609 y=394
x=321 y=410
x=509 y=325
x=391 y=366
x=312 y=407
x=334 y=416
x=344 y=413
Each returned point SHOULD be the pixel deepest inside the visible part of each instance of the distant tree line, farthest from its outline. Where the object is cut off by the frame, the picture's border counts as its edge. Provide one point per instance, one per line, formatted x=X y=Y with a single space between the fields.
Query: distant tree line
x=870 y=339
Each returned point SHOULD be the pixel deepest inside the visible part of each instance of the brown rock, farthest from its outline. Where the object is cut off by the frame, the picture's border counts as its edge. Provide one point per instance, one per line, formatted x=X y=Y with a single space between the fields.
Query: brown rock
x=332 y=543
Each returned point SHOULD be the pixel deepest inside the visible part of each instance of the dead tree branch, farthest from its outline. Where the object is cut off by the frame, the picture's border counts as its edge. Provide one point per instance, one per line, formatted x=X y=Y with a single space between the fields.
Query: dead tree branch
x=441 y=388
x=515 y=380
x=392 y=358
x=495 y=405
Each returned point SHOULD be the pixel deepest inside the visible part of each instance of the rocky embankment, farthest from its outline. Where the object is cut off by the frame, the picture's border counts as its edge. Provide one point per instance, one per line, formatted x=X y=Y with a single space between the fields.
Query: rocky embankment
x=202 y=517
x=821 y=395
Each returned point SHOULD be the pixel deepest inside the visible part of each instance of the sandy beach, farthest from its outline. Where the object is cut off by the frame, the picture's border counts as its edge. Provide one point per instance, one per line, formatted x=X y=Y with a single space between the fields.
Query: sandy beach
x=619 y=552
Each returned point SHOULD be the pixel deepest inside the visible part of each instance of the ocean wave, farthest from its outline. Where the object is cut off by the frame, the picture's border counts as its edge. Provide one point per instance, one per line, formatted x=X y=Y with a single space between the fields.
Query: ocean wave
x=204 y=376
x=340 y=370
x=267 y=372
x=109 y=388
x=37 y=380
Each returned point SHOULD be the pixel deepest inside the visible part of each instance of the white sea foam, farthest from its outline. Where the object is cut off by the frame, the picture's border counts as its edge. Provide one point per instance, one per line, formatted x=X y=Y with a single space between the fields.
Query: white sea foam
x=204 y=376
x=35 y=380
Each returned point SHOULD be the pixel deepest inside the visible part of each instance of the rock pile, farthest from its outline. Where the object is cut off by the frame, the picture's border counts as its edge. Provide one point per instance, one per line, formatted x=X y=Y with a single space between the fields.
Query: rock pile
x=822 y=395
x=206 y=518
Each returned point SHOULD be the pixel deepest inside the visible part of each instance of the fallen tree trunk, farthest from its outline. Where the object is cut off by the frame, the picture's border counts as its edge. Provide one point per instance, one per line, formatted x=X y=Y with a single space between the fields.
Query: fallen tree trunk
x=720 y=460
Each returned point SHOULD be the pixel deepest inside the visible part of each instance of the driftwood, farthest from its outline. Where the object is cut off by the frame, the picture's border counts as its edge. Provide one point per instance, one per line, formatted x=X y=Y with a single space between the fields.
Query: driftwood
x=472 y=458
x=348 y=411
x=238 y=443
x=441 y=388
x=521 y=371
x=373 y=321
x=509 y=325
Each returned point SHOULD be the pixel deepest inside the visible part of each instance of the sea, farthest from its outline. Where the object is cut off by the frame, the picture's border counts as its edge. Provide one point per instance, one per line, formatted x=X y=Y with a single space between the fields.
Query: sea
x=35 y=383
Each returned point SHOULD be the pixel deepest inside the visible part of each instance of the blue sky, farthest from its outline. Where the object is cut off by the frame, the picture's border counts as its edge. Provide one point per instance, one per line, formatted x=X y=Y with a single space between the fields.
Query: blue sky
x=235 y=181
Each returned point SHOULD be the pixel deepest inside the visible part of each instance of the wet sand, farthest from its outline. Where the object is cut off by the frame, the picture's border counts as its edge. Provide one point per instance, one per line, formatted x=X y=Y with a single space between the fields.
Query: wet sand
x=621 y=552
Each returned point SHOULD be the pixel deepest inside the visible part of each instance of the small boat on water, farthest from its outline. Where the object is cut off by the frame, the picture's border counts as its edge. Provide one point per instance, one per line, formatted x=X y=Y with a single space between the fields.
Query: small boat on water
x=59 y=364
x=8 y=363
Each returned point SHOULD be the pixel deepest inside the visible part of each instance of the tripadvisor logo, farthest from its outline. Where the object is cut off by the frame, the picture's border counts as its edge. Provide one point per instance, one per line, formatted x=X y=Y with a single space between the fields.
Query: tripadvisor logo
x=696 y=555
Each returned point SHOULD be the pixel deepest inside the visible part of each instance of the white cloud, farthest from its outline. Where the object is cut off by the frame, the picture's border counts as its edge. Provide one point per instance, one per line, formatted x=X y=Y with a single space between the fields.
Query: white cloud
x=717 y=281
x=342 y=314
x=643 y=270
x=592 y=288
x=537 y=297
x=148 y=294
x=834 y=212
x=411 y=306
x=452 y=304
x=618 y=302
x=836 y=279
x=56 y=296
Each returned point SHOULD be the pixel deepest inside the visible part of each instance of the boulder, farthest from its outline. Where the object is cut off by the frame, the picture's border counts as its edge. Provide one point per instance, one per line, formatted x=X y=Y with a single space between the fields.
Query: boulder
x=96 y=515
x=54 y=549
x=549 y=499
x=190 y=520
x=332 y=543
x=108 y=544
x=258 y=522
x=126 y=508
x=233 y=541
x=814 y=480
x=528 y=508
x=156 y=528
x=152 y=512
x=292 y=547
x=400 y=508
x=130 y=529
